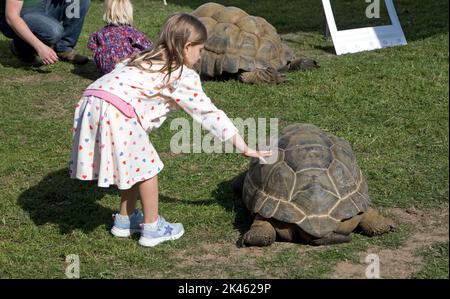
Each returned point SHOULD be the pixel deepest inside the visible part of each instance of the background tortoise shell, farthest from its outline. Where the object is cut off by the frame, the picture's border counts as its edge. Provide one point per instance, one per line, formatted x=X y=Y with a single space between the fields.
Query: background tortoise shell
x=238 y=41
x=315 y=183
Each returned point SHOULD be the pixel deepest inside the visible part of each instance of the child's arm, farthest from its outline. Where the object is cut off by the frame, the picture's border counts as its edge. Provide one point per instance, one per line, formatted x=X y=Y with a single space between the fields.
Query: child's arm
x=240 y=144
x=190 y=96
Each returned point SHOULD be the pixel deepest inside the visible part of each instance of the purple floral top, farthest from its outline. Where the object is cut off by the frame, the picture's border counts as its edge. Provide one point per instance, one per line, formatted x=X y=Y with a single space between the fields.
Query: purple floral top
x=113 y=43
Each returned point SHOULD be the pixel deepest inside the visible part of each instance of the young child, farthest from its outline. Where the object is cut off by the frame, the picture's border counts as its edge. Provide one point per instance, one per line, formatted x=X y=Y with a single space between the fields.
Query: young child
x=117 y=111
x=118 y=39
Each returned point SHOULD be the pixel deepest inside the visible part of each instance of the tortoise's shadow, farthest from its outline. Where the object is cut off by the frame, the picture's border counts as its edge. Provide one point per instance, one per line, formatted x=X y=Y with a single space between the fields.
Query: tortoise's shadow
x=228 y=196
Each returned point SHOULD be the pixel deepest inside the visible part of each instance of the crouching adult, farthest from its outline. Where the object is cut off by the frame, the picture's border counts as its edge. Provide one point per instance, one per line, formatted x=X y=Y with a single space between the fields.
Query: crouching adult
x=44 y=31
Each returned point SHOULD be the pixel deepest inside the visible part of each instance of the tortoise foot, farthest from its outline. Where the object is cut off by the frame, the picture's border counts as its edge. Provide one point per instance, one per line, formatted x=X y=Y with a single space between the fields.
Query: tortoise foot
x=372 y=223
x=261 y=233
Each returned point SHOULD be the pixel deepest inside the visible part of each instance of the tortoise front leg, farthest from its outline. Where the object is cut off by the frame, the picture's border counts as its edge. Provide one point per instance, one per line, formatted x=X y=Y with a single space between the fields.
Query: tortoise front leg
x=261 y=233
x=372 y=223
x=269 y=75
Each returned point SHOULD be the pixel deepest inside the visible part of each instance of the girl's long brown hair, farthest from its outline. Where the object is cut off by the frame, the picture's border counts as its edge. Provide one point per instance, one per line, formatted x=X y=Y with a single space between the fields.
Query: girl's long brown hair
x=177 y=31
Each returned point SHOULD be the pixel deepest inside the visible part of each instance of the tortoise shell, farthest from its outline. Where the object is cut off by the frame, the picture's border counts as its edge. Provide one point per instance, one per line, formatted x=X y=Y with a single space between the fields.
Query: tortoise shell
x=315 y=182
x=238 y=41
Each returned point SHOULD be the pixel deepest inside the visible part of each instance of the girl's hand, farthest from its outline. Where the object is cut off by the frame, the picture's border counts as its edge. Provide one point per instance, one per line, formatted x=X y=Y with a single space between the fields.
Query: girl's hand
x=240 y=144
x=257 y=154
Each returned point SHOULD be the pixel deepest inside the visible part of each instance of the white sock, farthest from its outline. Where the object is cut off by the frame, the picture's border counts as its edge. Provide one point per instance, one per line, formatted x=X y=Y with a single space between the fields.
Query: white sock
x=123 y=217
x=151 y=226
x=128 y=217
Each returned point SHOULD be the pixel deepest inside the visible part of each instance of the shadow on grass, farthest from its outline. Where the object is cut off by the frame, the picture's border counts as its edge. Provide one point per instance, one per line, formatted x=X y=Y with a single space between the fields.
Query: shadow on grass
x=70 y=204
x=73 y=205
x=290 y=16
x=8 y=60
x=419 y=19
x=88 y=71
x=228 y=197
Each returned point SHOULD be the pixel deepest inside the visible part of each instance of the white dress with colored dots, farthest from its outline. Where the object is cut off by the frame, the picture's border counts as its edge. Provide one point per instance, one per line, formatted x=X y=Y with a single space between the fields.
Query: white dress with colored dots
x=115 y=149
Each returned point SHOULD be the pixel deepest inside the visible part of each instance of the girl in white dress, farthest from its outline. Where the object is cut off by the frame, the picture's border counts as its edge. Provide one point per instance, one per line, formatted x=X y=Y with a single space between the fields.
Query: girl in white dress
x=113 y=118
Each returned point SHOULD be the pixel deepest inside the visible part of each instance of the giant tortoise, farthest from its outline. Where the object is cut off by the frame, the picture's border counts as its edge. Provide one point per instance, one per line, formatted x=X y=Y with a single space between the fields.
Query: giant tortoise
x=313 y=193
x=244 y=45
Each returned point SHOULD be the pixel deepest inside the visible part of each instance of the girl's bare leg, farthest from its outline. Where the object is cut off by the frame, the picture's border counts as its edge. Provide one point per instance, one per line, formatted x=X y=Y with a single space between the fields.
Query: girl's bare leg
x=129 y=199
x=149 y=197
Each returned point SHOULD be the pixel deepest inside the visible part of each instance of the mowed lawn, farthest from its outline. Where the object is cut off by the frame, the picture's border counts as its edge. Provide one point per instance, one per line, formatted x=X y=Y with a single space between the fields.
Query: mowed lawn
x=391 y=104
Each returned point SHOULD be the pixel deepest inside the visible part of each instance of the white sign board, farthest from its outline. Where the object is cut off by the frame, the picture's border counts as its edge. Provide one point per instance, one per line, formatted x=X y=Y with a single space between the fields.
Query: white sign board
x=368 y=38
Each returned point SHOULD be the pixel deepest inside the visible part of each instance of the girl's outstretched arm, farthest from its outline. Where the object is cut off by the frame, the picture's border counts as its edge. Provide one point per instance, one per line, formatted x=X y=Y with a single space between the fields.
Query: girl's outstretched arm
x=190 y=96
x=240 y=144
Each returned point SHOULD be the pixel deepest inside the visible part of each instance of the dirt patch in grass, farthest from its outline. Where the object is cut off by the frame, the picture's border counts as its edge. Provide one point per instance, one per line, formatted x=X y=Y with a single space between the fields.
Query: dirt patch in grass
x=37 y=79
x=52 y=107
x=218 y=260
x=430 y=226
x=219 y=254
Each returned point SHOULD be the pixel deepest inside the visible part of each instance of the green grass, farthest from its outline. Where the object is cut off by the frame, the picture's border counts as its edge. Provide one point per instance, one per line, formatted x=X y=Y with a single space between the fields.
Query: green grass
x=435 y=261
x=391 y=104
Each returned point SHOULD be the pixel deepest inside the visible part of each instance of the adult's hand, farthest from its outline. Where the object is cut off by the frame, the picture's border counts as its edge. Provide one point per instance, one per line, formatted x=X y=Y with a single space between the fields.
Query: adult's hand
x=47 y=54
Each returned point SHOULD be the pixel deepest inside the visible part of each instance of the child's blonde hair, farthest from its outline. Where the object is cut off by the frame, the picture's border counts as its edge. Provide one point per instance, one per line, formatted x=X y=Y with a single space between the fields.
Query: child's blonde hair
x=118 y=12
x=177 y=31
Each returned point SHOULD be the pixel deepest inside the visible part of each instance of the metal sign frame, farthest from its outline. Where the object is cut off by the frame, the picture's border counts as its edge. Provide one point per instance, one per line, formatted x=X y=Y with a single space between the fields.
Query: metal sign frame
x=367 y=38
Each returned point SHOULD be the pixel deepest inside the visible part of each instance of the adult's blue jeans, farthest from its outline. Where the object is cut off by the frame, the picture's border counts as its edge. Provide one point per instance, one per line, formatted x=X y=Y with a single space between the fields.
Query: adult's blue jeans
x=56 y=23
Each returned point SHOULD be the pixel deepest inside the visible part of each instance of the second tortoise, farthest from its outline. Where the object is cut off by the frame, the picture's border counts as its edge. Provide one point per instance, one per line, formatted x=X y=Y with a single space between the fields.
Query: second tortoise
x=244 y=45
